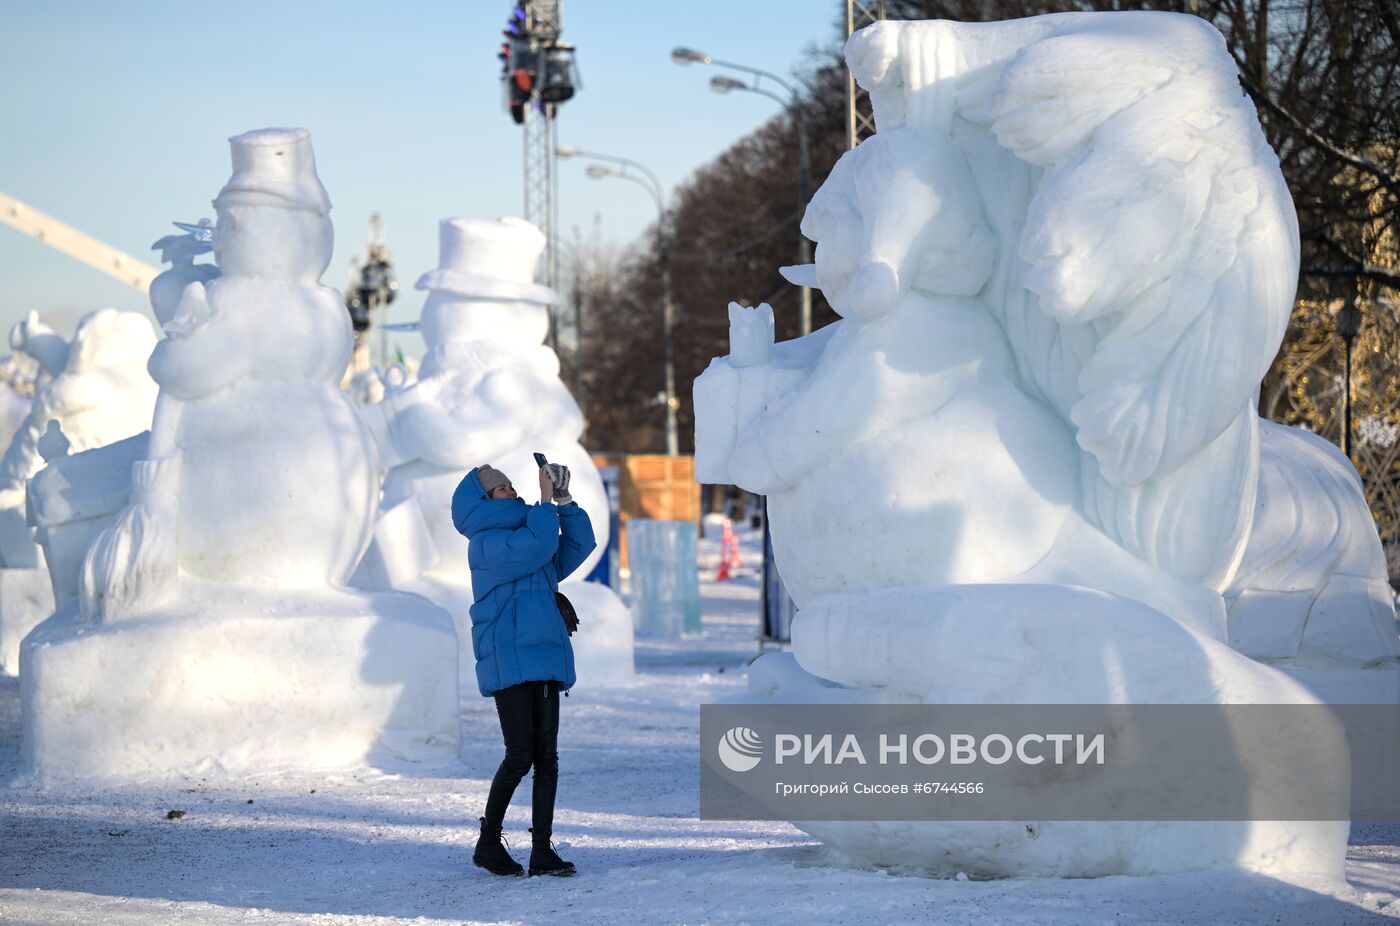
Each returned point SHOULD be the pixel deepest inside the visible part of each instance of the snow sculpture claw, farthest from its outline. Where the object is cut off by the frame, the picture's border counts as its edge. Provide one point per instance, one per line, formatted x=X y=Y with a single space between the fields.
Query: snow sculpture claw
x=750 y=335
x=192 y=311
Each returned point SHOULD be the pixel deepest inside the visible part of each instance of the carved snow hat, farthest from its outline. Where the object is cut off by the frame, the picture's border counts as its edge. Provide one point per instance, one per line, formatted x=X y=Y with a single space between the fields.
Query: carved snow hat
x=489 y=260
x=274 y=167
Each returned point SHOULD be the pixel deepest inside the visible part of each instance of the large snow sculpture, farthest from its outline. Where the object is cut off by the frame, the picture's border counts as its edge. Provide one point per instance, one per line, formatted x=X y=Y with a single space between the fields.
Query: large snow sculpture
x=97 y=392
x=488 y=391
x=1063 y=264
x=214 y=629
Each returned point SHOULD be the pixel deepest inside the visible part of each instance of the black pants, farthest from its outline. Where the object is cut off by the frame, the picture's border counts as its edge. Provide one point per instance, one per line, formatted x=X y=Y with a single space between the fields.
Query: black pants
x=529 y=715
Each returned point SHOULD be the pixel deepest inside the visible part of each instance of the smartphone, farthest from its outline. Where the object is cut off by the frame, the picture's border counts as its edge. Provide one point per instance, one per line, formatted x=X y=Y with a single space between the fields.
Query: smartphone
x=539 y=459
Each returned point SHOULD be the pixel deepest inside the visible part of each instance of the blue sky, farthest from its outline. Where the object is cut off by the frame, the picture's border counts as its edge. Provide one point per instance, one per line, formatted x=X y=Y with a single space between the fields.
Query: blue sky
x=116 y=117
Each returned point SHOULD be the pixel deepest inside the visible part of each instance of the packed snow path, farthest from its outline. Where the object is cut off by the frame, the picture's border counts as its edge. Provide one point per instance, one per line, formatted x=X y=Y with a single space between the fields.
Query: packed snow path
x=392 y=844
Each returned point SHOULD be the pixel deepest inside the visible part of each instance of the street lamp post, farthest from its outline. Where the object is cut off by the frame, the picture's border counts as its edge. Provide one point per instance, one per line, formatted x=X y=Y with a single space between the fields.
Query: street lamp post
x=804 y=168
x=1348 y=326
x=647 y=180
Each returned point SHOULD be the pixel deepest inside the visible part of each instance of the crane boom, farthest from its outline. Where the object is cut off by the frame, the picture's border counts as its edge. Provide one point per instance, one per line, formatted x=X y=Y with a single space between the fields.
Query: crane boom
x=77 y=245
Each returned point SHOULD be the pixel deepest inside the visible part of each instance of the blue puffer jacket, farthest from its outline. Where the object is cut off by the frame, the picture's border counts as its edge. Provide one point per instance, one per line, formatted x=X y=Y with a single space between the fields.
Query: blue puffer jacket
x=518 y=553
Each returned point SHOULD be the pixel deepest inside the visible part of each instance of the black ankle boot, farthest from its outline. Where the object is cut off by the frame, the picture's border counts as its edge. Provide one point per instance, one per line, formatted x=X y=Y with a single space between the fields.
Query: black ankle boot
x=543 y=860
x=491 y=852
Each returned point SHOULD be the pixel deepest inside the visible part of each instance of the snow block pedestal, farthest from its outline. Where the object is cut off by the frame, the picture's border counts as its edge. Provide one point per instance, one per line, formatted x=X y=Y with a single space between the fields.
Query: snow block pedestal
x=1041 y=644
x=238 y=680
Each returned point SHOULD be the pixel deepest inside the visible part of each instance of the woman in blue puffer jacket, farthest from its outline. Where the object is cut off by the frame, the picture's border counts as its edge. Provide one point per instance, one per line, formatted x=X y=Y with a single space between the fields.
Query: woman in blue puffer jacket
x=518 y=553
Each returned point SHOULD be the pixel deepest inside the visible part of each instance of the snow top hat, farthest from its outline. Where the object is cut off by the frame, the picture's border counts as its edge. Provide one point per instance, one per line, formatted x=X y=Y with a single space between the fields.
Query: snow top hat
x=274 y=167
x=489 y=260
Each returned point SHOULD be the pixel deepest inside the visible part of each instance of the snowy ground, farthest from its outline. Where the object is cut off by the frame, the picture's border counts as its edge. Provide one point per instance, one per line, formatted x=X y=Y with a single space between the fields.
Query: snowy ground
x=392 y=844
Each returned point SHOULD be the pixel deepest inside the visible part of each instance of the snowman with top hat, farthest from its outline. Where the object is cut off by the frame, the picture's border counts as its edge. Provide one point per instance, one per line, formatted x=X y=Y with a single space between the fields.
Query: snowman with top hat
x=488 y=391
x=259 y=471
x=214 y=628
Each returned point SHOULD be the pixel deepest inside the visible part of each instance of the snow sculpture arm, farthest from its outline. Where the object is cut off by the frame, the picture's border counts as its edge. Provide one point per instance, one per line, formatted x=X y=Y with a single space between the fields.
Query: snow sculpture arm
x=456 y=420
x=735 y=391
x=575 y=541
x=195 y=359
x=509 y=555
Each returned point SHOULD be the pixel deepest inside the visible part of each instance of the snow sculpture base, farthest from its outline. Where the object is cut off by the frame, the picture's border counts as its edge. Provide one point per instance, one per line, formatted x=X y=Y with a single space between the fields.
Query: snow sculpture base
x=26 y=598
x=400 y=550
x=603 y=646
x=1380 y=685
x=1037 y=644
x=237 y=680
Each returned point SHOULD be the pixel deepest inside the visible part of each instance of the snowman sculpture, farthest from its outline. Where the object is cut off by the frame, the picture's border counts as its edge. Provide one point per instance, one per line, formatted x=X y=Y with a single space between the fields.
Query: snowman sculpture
x=95 y=392
x=1021 y=469
x=487 y=391
x=20 y=376
x=219 y=591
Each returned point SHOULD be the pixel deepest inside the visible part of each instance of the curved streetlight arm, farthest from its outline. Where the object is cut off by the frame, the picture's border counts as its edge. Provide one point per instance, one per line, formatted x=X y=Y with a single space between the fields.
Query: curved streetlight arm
x=648 y=186
x=786 y=104
x=654 y=185
x=759 y=73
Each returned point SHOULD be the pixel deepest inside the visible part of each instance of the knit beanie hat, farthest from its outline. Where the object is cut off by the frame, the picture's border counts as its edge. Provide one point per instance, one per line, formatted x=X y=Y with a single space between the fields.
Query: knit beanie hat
x=490 y=477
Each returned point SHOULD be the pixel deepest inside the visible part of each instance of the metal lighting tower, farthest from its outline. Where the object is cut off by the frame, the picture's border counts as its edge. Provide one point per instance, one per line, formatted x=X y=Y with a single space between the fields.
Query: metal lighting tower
x=860 y=117
x=538 y=72
x=372 y=287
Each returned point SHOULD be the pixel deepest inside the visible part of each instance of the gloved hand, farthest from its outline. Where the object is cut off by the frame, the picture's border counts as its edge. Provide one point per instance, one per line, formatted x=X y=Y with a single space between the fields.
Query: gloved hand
x=559 y=475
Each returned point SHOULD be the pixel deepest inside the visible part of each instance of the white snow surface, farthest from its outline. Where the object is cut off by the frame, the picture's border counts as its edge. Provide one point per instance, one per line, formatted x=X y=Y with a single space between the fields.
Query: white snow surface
x=391 y=843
